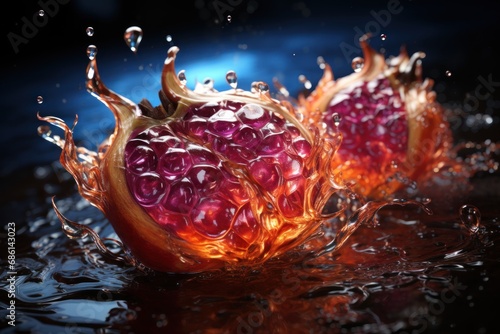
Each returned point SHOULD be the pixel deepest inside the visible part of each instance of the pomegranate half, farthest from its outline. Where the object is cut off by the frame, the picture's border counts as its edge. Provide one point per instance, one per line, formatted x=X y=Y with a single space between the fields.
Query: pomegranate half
x=395 y=133
x=206 y=179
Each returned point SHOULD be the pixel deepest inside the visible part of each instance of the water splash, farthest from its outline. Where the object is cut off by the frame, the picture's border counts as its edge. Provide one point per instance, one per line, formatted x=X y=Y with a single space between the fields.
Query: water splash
x=79 y=231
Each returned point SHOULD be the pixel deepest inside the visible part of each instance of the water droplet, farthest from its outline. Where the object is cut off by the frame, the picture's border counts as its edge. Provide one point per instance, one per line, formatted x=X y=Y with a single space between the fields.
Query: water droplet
x=336 y=119
x=182 y=77
x=89 y=31
x=262 y=87
x=259 y=87
x=303 y=79
x=133 y=37
x=321 y=62
x=91 y=51
x=44 y=131
x=448 y=73
x=357 y=64
x=229 y=18
x=41 y=12
x=168 y=38
x=232 y=79
x=470 y=217
x=208 y=83
x=39 y=99
x=383 y=37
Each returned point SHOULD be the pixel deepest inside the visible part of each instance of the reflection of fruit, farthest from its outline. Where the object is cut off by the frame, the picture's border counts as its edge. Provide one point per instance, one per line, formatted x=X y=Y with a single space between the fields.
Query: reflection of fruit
x=392 y=127
x=207 y=178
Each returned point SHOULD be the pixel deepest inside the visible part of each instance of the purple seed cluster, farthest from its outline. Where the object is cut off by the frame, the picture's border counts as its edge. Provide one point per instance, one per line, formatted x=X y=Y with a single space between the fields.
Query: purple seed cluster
x=186 y=172
x=374 y=120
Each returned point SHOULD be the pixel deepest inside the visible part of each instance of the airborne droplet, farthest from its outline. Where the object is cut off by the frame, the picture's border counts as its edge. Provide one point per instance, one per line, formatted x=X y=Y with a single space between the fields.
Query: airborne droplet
x=182 y=77
x=448 y=73
x=41 y=12
x=89 y=31
x=229 y=18
x=232 y=79
x=470 y=217
x=383 y=37
x=321 y=62
x=336 y=119
x=357 y=64
x=91 y=51
x=262 y=87
x=39 y=99
x=133 y=37
x=303 y=79
x=44 y=130
x=168 y=38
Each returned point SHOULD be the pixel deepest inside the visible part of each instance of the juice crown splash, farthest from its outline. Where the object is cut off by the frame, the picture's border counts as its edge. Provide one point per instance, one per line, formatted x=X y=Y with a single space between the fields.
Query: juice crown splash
x=211 y=179
x=396 y=136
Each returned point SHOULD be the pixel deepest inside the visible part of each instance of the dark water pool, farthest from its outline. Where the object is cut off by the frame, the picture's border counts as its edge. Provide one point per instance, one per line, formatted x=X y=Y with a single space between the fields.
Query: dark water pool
x=412 y=273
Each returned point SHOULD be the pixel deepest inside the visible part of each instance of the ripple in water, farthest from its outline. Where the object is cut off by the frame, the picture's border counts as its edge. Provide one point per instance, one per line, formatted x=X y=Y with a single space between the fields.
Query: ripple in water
x=413 y=272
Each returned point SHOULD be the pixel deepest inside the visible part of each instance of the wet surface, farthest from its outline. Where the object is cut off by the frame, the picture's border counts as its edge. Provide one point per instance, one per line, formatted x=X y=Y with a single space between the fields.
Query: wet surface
x=411 y=273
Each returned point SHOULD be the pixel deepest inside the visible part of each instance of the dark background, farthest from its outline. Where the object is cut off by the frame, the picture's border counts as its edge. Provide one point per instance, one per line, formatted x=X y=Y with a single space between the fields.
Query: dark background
x=284 y=36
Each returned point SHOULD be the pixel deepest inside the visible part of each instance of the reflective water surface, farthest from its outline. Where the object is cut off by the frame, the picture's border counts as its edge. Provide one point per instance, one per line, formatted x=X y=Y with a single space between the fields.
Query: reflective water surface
x=410 y=273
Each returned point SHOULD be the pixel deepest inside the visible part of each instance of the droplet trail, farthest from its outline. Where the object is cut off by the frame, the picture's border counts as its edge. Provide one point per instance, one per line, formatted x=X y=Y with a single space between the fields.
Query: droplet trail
x=321 y=62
